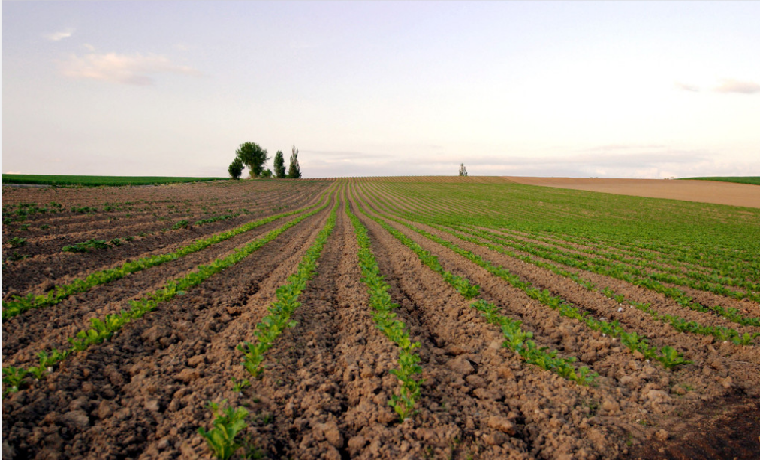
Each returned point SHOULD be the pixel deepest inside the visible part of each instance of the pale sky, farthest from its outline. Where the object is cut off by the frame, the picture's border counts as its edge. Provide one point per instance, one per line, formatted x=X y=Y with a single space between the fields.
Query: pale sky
x=587 y=89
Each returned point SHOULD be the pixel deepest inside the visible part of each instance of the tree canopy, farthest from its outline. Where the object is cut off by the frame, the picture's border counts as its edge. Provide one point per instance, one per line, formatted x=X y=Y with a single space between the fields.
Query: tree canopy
x=279 y=164
x=236 y=168
x=294 y=170
x=253 y=156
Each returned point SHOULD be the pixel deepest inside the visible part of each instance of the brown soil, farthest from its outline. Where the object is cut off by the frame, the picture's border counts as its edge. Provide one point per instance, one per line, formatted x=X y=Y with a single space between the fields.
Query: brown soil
x=747 y=195
x=325 y=390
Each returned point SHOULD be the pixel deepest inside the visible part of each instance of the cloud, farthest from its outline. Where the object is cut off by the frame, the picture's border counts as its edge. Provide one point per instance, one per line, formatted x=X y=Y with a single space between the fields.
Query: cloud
x=736 y=86
x=58 y=36
x=12 y=172
x=686 y=87
x=134 y=69
x=89 y=47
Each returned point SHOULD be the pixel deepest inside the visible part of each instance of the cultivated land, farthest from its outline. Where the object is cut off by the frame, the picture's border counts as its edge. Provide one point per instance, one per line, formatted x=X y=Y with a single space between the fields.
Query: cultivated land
x=701 y=190
x=96 y=181
x=499 y=320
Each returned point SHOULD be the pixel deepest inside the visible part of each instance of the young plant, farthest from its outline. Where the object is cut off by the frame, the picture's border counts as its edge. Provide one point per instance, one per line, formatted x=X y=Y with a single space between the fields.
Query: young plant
x=239 y=385
x=17 y=241
x=12 y=378
x=671 y=358
x=228 y=423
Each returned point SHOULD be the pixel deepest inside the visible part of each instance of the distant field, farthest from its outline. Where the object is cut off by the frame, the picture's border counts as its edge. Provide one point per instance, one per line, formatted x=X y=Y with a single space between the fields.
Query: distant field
x=685 y=190
x=94 y=181
x=739 y=180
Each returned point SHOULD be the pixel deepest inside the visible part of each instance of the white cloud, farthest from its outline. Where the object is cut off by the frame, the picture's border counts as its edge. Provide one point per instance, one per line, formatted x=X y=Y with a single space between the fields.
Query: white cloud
x=686 y=87
x=89 y=47
x=12 y=172
x=736 y=86
x=134 y=69
x=58 y=36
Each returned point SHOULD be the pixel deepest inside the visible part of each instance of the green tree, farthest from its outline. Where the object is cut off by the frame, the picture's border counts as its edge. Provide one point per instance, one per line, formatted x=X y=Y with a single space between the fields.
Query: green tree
x=236 y=168
x=253 y=156
x=279 y=164
x=267 y=173
x=294 y=170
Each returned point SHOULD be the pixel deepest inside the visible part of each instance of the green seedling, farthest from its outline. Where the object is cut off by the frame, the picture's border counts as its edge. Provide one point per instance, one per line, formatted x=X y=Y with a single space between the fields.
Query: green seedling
x=239 y=385
x=228 y=423
x=180 y=224
x=12 y=378
x=671 y=358
x=17 y=242
x=86 y=246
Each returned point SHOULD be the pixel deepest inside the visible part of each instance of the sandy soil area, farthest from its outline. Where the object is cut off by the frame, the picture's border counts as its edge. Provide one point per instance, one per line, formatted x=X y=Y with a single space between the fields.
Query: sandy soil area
x=687 y=190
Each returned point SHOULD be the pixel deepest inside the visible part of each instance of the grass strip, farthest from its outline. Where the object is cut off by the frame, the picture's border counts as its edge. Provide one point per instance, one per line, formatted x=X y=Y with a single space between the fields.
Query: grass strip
x=272 y=325
x=668 y=356
x=517 y=340
x=101 y=330
x=21 y=304
x=385 y=320
x=720 y=333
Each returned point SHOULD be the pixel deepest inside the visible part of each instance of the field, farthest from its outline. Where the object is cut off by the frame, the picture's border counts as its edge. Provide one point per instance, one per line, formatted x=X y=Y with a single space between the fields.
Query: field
x=391 y=318
x=738 y=180
x=702 y=191
x=97 y=181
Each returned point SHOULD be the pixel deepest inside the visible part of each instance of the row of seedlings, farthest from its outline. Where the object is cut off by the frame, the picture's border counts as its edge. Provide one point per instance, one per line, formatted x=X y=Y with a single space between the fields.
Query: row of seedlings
x=667 y=356
x=21 y=304
x=720 y=333
x=516 y=339
x=679 y=296
x=102 y=329
x=408 y=371
x=230 y=421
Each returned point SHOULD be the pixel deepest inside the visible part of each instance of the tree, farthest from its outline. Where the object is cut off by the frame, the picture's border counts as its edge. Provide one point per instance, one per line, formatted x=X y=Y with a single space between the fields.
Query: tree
x=294 y=170
x=279 y=164
x=267 y=173
x=462 y=170
x=253 y=156
x=236 y=168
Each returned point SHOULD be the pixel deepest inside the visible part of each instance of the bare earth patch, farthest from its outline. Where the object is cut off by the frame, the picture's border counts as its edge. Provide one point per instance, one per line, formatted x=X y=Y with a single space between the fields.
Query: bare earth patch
x=686 y=190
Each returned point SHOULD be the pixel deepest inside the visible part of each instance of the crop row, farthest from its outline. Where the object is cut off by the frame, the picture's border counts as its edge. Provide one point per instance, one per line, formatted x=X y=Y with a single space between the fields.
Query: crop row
x=385 y=320
x=102 y=329
x=676 y=294
x=516 y=339
x=716 y=234
x=229 y=421
x=280 y=311
x=478 y=225
x=720 y=333
x=20 y=304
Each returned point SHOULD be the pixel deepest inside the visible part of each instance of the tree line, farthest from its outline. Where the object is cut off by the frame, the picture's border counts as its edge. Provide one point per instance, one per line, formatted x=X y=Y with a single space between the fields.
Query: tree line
x=252 y=156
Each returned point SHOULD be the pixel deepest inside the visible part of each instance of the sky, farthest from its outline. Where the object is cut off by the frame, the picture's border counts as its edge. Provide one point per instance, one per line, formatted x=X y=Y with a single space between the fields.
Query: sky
x=549 y=89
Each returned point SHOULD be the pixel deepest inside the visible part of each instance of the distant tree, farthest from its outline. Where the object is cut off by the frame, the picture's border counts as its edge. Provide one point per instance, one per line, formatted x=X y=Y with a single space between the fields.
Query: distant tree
x=294 y=170
x=236 y=168
x=462 y=170
x=253 y=156
x=279 y=164
x=267 y=173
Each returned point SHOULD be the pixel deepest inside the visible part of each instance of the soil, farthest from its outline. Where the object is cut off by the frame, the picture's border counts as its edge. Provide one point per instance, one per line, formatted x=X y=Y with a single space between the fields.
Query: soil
x=326 y=385
x=747 y=195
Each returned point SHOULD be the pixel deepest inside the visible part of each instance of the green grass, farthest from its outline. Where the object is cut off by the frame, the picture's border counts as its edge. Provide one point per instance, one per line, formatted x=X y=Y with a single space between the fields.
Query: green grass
x=95 y=181
x=739 y=180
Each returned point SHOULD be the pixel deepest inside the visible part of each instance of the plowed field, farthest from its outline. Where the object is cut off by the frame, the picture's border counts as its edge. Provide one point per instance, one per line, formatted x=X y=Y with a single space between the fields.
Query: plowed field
x=392 y=319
